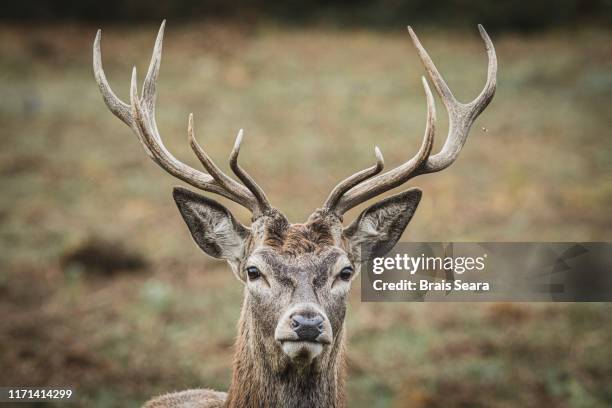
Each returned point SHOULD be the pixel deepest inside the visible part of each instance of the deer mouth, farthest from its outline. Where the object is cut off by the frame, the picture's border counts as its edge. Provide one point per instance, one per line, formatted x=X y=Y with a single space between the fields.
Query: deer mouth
x=302 y=351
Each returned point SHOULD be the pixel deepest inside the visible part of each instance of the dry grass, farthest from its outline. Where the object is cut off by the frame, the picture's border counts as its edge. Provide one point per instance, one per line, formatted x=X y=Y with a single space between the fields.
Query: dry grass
x=313 y=104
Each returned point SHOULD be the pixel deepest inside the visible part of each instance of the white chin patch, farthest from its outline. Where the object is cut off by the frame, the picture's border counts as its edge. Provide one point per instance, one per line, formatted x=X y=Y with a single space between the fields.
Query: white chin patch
x=304 y=351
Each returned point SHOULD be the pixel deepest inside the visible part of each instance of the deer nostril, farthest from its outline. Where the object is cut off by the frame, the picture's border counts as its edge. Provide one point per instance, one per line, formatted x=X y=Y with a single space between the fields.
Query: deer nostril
x=307 y=328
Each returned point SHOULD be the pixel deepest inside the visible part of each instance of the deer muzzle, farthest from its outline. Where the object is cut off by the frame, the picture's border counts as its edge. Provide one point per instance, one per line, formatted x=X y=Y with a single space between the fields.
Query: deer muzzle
x=303 y=332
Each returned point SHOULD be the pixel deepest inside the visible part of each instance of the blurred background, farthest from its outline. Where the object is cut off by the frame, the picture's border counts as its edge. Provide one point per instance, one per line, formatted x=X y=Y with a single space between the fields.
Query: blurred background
x=101 y=287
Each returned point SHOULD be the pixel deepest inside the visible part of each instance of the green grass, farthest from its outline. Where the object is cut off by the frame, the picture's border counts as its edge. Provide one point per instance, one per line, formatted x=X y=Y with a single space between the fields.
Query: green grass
x=313 y=104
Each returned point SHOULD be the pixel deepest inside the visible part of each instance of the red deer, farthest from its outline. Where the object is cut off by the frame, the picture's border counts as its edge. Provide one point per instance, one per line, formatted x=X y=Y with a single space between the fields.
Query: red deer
x=290 y=350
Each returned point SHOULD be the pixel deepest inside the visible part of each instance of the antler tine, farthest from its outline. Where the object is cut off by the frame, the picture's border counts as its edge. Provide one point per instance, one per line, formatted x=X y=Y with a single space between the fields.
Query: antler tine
x=140 y=116
x=119 y=108
x=461 y=117
x=485 y=97
x=149 y=87
x=354 y=180
x=210 y=166
x=245 y=177
x=399 y=175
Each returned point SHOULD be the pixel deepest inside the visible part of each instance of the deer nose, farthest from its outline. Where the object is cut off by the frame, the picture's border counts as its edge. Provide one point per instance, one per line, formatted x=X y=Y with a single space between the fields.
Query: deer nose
x=307 y=328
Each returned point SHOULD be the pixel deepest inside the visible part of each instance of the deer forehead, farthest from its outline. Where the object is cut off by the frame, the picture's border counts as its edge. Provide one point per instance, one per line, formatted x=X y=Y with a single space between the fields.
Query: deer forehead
x=299 y=239
x=314 y=236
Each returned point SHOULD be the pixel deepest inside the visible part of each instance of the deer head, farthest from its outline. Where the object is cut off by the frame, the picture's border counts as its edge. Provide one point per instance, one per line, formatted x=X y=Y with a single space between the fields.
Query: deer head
x=296 y=276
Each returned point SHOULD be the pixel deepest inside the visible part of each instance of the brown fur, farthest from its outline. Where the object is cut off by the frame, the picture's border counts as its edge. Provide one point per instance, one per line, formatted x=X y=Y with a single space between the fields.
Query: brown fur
x=301 y=238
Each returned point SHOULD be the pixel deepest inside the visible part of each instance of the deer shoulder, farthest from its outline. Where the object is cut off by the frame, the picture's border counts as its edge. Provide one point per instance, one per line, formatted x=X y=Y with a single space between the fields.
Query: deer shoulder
x=199 y=398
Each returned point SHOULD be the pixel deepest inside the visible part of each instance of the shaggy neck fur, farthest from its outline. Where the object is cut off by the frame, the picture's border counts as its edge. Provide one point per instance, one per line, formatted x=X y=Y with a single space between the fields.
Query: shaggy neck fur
x=264 y=377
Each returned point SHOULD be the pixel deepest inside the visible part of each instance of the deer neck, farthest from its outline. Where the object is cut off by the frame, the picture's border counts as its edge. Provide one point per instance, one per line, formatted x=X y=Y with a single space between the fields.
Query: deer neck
x=260 y=379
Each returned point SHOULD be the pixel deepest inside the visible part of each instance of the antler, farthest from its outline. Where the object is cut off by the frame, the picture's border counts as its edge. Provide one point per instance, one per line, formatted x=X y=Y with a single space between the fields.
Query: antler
x=140 y=116
x=461 y=117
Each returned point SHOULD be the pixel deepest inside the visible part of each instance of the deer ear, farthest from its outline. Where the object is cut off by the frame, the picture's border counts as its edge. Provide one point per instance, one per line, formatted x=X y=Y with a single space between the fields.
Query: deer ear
x=380 y=226
x=212 y=226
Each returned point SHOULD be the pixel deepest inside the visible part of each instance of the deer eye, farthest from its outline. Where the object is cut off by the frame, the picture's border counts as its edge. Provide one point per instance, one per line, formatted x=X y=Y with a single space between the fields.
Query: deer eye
x=253 y=273
x=346 y=274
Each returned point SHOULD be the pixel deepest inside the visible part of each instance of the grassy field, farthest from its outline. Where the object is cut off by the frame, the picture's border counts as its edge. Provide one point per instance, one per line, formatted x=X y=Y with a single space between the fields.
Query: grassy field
x=102 y=289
